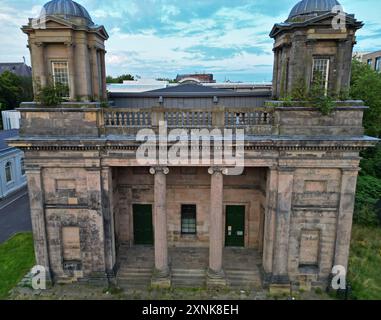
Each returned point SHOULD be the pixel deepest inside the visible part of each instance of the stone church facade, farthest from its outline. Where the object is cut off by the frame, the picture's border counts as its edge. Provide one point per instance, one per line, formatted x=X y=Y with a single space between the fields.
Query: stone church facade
x=94 y=207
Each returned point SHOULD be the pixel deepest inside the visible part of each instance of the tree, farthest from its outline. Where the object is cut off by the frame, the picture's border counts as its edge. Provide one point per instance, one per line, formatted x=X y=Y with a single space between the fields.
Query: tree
x=120 y=79
x=366 y=86
x=14 y=90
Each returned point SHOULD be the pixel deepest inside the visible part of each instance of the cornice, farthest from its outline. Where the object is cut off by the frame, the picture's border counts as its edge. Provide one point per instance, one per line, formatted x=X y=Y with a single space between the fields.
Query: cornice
x=106 y=149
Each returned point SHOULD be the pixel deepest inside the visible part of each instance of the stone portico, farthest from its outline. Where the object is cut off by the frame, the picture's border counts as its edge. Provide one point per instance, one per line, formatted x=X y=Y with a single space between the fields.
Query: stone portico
x=298 y=197
x=99 y=215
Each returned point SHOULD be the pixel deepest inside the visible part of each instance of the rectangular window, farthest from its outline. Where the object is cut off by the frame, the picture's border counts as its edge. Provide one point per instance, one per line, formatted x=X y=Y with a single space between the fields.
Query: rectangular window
x=8 y=172
x=188 y=219
x=370 y=61
x=378 y=64
x=321 y=72
x=61 y=76
x=22 y=164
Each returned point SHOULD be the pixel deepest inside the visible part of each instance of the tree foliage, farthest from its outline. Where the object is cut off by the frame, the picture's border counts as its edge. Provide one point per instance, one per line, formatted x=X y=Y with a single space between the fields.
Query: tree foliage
x=120 y=79
x=368 y=196
x=14 y=90
x=366 y=86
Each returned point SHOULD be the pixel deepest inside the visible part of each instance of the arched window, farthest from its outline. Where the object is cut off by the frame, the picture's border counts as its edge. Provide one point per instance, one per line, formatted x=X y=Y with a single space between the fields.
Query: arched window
x=8 y=171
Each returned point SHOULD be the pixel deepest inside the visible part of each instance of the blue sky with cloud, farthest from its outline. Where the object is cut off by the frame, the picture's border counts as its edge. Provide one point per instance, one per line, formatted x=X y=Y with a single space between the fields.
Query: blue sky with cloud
x=161 y=38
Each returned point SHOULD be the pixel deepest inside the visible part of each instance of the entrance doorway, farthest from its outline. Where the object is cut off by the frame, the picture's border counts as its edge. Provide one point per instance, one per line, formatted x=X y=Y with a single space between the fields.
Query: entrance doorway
x=235 y=226
x=143 y=227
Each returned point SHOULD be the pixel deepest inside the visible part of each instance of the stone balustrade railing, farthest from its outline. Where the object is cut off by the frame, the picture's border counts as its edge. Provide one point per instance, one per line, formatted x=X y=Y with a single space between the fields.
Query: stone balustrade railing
x=274 y=119
x=255 y=120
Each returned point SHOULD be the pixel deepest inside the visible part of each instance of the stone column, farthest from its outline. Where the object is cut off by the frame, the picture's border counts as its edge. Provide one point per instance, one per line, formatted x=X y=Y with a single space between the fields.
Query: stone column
x=270 y=217
x=103 y=73
x=108 y=220
x=83 y=70
x=38 y=56
x=162 y=275
x=339 y=67
x=72 y=73
x=37 y=209
x=216 y=275
x=95 y=72
x=282 y=228
x=345 y=216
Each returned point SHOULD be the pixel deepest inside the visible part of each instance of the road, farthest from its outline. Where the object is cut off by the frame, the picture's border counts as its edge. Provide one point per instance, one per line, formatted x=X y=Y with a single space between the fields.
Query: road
x=14 y=215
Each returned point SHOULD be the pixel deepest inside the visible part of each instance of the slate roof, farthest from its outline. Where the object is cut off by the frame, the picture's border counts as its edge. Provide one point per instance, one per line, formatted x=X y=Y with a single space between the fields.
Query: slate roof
x=18 y=68
x=6 y=134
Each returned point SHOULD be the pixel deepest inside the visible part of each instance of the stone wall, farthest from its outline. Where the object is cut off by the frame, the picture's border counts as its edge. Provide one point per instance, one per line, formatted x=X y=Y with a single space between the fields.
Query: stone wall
x=71 y=199
x=315 y=205
x=71 y=120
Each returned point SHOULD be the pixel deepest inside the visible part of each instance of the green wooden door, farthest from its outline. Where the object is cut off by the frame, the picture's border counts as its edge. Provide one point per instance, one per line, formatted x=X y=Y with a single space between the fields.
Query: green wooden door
x=235 y=226
x=143 y=228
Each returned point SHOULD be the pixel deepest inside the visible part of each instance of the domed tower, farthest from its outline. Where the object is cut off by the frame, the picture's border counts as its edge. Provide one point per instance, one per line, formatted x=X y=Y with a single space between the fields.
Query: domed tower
x=67 y=48
x=317 y=38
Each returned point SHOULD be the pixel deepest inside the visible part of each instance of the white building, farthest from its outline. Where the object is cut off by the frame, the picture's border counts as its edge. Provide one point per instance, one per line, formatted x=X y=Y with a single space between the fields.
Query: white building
x=12 y=173
x=134 y=86
x=11 y=119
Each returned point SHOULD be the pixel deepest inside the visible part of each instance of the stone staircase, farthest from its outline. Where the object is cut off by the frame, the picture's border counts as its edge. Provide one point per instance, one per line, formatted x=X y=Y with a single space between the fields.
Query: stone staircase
x=129 y=277
x=188 y=278
x=134 y=277
x=243 y=279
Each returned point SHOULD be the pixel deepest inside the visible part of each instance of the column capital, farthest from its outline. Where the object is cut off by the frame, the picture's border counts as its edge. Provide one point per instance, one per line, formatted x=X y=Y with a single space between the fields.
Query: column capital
x=350 y=171
x=213 y=170
x=155 y=170
x=39 y=44
x=69 y=44
x=286 y=169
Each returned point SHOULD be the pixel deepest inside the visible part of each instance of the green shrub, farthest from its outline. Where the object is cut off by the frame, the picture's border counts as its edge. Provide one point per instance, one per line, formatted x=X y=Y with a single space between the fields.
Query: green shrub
x=52 y=95
x=367 y=197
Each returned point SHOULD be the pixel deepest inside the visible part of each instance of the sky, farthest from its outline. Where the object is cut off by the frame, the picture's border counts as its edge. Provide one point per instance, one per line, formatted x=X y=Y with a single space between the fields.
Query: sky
x=163 y=38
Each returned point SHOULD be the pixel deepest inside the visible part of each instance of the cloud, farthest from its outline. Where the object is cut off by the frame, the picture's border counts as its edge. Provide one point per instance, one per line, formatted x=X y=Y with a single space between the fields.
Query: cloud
x=160 y=38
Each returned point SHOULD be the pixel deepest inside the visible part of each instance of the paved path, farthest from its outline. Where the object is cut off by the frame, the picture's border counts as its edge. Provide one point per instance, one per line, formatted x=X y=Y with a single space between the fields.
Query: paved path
x=14 y=215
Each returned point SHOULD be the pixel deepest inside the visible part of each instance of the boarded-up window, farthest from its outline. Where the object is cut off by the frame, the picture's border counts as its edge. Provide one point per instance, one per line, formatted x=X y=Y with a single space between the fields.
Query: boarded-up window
x=309 y=248
x=71 y=243
x=315 y=186
x=65 y=185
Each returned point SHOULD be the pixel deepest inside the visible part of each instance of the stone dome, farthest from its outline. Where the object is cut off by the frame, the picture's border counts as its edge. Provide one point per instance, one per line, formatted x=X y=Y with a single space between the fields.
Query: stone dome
x=308 y=7
x=66 y=9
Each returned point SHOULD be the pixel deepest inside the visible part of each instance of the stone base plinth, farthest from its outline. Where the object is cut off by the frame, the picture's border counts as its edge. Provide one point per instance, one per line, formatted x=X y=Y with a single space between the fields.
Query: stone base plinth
x=216 y=279
x=280 y=285
x=161 y=283
x=280 y=289
x=161 y=279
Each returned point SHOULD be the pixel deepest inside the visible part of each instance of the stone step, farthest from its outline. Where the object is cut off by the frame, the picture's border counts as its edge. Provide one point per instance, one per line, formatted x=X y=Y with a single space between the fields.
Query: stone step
x=188 y=278
x=188 y=272
x=134 y=271
x=243 y=279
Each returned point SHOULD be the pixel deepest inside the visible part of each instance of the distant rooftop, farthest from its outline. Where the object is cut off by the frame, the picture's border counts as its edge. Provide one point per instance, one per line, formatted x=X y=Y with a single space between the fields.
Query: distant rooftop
x=189 y=88
x=141 y=85
x=195 y=78
x=6 y=135
x=18 y=68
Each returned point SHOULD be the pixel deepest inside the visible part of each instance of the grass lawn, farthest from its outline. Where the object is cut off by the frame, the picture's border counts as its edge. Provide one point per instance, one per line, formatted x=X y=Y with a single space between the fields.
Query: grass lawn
x=16 y=259
x=365 y=263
